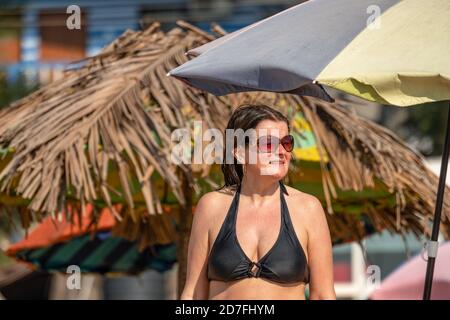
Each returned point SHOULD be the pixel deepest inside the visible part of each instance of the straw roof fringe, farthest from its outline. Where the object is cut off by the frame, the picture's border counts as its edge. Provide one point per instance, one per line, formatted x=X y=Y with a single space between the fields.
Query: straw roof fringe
x=360 y=152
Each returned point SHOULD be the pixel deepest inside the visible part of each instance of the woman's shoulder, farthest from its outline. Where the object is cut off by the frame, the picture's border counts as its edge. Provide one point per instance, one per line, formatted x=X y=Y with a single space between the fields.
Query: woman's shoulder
x=222 y=194
x=298 y=195
x=305 y=203
x=216 y=200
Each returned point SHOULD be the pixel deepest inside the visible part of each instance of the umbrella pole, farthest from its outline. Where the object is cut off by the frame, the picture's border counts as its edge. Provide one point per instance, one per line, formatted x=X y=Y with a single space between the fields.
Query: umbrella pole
x=433 y=244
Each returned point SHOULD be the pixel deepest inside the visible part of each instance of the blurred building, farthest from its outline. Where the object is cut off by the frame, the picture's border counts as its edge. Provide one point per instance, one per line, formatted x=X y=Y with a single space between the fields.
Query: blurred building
x=149 y=285
x=35 y=37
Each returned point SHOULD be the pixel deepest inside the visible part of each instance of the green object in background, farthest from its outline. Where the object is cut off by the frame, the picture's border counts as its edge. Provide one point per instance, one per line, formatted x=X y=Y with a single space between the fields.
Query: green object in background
x=13 y=90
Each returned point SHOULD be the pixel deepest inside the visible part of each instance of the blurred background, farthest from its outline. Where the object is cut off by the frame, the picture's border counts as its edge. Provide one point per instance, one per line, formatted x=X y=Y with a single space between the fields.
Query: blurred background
x=34 y=50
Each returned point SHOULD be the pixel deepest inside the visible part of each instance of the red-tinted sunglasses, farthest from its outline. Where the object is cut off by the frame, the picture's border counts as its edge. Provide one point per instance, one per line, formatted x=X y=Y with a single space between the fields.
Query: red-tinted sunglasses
x=270 y=143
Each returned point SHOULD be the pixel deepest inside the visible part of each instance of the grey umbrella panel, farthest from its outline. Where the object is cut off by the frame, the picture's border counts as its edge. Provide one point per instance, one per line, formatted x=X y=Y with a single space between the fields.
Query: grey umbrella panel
x=297 y=53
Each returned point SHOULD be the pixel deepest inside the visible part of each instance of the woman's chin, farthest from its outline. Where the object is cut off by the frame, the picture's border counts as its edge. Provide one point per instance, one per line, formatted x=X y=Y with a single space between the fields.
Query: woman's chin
x=277 y=172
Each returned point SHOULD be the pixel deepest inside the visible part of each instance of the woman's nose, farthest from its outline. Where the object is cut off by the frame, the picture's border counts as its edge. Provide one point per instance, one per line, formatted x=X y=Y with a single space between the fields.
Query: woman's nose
x=280 y=149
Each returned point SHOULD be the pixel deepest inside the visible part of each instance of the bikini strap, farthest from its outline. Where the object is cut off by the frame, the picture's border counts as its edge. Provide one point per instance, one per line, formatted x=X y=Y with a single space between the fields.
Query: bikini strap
x=231 y=214
x=235 y=203
x=284 y=207
x=283 y=187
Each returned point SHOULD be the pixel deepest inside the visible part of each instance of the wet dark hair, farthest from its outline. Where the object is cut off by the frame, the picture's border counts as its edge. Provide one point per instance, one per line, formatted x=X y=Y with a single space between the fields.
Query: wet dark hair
x=245 y=117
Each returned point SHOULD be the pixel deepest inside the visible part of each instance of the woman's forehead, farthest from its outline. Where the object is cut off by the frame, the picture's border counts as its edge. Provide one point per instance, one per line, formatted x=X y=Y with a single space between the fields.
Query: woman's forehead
x=276 y=128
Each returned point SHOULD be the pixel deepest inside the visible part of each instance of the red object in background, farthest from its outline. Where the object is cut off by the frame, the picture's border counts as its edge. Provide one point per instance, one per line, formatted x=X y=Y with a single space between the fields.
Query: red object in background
x=51 y=231
x=407 y=281
x=58 y=42
x=9 y=50
x=342 y=272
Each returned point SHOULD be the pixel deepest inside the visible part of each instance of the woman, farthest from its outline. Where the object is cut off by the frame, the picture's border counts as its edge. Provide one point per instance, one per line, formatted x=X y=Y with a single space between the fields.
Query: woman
x=256 y=238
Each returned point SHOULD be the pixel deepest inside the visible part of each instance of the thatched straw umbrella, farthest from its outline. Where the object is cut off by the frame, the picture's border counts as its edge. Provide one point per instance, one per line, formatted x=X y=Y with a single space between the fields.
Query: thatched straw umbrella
x=102 y=134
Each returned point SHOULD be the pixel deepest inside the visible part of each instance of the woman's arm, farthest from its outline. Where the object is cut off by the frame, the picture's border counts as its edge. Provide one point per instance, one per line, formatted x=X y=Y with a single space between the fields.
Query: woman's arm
x=197 y=284
x=320 y=254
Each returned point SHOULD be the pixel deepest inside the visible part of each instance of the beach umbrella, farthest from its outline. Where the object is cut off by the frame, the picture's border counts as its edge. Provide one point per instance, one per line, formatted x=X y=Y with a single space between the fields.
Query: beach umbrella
x=406 y=282
x=56 y=245
x=387 y=51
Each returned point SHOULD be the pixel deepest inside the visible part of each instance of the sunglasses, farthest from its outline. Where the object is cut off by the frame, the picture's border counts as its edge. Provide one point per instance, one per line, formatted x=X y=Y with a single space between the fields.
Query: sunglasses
x=266 y=144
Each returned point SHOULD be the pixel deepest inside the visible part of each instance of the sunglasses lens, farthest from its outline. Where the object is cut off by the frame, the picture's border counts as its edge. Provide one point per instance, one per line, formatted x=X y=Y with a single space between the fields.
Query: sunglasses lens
x=270 y=143
x=288 y=143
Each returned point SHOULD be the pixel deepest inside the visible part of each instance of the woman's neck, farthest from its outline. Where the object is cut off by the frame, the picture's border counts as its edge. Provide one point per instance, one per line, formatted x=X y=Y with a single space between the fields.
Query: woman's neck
x=259 y=189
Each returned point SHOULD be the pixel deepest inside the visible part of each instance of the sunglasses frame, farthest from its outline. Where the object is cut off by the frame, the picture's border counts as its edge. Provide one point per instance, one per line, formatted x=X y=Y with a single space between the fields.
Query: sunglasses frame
x=278 y=141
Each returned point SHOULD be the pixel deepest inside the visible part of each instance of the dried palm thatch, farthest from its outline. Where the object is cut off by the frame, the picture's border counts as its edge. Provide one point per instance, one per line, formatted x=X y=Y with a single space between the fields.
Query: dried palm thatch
x=103 y=131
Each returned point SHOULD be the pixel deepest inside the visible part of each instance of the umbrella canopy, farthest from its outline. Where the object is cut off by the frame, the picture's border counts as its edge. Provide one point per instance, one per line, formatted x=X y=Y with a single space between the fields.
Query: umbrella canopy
x=389 y=51
x=55 y=245
x=406 y=282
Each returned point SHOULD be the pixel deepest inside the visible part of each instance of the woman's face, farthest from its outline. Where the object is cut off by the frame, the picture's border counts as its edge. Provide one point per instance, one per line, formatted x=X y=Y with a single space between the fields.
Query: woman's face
x=270 y=158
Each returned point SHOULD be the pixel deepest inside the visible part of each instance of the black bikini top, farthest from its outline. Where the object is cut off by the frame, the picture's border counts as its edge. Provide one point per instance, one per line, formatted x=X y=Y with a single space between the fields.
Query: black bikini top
x=285 y=262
